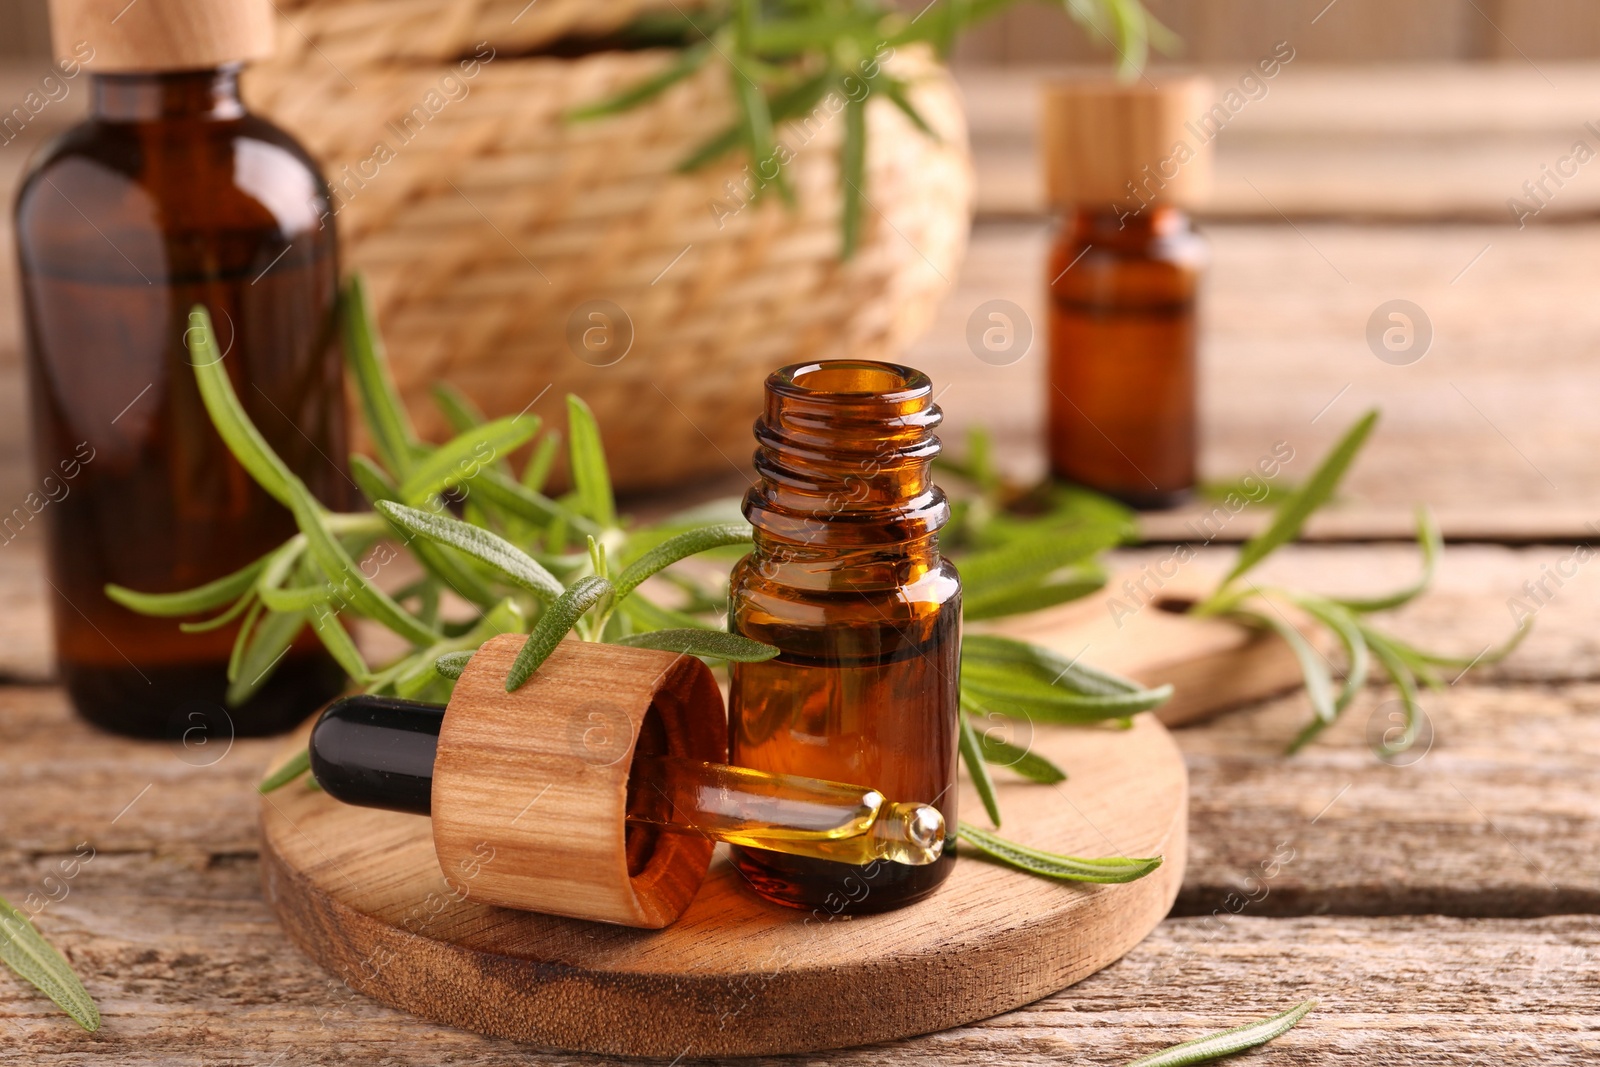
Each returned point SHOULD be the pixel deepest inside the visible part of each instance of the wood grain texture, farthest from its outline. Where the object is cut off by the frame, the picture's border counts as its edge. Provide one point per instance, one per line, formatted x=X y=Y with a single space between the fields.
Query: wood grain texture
x=191 y=970
x=163 y=34
x=361 y=891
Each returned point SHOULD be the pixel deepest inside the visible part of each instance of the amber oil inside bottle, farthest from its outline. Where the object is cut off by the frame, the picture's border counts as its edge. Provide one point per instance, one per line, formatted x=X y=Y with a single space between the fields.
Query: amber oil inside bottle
x=1122 y=391
x=169 y=195
x=847 y=581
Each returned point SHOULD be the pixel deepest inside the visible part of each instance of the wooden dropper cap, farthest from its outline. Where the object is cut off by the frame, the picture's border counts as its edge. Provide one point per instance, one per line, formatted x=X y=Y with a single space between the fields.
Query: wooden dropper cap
x=530 y=788
x=1106 y=142
x=148 y=36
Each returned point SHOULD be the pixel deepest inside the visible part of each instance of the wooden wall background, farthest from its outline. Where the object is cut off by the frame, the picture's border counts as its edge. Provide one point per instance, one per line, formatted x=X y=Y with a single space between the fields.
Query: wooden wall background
x=1345 y=30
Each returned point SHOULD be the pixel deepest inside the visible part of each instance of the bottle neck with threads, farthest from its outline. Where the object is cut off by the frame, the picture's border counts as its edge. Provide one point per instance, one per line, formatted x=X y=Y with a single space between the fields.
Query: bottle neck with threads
x=845 y=453
x=211 y=94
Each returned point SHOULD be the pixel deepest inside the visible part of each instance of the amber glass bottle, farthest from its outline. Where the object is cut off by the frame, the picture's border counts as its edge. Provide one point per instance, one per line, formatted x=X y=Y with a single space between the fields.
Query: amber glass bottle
x=1122 y=353
x=846 y=579
x=172 y=194
x=1123 y=280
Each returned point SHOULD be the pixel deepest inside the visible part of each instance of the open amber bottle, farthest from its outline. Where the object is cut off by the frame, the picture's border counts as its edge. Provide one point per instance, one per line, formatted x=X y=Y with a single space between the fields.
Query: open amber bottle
x=172 y=194
x=1122 y=162
x=847 y=581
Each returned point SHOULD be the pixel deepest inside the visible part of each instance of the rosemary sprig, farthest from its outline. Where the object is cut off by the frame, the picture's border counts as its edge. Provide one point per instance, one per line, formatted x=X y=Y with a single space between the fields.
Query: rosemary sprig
x=783 y=58
x=31 y=956
x=1348 y=619
x=1227 y=1042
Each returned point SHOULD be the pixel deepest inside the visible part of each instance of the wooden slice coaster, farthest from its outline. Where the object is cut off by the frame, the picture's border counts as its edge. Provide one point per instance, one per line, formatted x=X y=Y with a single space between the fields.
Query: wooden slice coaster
x=361 y=892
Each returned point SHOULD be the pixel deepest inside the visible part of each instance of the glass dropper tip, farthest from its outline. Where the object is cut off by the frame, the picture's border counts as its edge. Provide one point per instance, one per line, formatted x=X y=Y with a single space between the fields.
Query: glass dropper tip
x=910 y=833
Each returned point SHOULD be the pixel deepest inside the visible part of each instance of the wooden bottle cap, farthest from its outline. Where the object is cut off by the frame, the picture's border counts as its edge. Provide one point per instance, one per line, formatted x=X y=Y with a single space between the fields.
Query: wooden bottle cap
x=1109 y=142
x=530 y=789
x=158 y=35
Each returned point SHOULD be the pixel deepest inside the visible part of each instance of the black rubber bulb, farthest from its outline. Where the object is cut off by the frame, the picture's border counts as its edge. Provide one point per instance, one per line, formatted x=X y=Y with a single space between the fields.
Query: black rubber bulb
x=377 y=752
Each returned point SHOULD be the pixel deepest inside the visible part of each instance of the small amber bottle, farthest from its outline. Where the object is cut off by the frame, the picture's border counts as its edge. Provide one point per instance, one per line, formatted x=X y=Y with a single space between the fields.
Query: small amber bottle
x=171 y=194
x=1122 y=162
x=847 y=581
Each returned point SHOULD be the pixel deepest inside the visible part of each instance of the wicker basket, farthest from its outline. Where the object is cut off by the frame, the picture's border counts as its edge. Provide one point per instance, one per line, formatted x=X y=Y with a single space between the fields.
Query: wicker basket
x=491 y=226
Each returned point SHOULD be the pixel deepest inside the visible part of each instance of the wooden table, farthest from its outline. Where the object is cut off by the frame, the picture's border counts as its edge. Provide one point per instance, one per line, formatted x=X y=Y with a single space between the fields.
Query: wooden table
x=1442 y=912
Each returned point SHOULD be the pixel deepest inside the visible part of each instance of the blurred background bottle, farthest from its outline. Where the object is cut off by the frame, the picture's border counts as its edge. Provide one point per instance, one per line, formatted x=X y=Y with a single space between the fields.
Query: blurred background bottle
x=170 y=194
x=1122 y=163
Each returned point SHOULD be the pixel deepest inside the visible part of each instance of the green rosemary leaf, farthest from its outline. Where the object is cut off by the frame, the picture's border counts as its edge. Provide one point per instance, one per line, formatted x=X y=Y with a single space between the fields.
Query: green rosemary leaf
x=1314 y=669
x=372 y=480
x=710 y=150
x=452 y=665
x=526 y=505
x=1039 y=701
x=790 y=103
x=262 y=655
x=517 y=566
x=755 y=121
x=554 y=625
x=385 y=416
x=191 y=601
x=1111 y=870
x=228 y=415
x=895 y=90
x=684 y=545
x=647 y=615
x=241 y=640
x=217 y=622
x=376 y=486
x=350 y=584
x=281 y=565
x=337 y=640
x=1493 y=654
x=712 y=644
x=1431 y=542
x=536 y=471
x=689 y=60
x=853 y=173
x=1002 y=753
x=1228 y=1042
x=988 y=651
x=1347 y=629
x=1030 y=765
x=286 y=772
x=462 y=457
x=972 y=756
x=1405 y=682
x=1072 y=584
x=26 y=952
x=1035 y=555
x=590 y=476
x=457 y=407
x=1293 y=512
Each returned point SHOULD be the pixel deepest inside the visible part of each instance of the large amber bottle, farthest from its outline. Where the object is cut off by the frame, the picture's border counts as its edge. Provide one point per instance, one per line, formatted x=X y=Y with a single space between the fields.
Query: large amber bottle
x=847 y=581
x=171 y=194
x=1122 y=162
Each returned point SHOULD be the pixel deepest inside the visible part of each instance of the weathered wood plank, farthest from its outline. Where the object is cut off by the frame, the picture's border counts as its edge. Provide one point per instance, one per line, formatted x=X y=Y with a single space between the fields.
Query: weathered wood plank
x=190 y=969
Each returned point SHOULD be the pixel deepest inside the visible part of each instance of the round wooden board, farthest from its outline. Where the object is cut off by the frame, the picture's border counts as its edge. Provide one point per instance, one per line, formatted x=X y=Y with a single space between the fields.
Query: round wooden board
x=361 y=892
